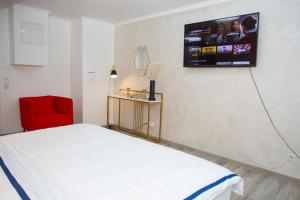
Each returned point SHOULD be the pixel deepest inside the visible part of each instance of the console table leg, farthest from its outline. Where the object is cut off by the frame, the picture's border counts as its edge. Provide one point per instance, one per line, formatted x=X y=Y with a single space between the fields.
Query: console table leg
x=107 y=115
x=148 y=124
x=119 y=117
x=160 y=121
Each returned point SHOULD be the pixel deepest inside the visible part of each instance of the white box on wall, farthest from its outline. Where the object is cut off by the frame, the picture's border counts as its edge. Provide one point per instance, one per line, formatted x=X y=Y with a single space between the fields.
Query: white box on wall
x=30 y=36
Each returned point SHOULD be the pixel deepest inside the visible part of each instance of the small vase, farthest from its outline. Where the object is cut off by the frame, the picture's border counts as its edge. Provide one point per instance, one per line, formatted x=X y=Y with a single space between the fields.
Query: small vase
x=152 y=91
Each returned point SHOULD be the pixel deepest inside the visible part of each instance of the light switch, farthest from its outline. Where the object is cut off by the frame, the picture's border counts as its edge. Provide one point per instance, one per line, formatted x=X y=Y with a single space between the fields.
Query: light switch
x=5 y=82
x=91 y=77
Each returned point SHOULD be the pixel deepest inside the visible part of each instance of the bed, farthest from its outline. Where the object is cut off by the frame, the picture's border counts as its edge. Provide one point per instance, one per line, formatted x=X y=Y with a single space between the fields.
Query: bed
x=85 y=161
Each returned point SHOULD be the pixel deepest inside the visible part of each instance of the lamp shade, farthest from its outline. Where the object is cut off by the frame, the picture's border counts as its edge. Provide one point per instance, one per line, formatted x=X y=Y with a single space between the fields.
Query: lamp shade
x=113 y=72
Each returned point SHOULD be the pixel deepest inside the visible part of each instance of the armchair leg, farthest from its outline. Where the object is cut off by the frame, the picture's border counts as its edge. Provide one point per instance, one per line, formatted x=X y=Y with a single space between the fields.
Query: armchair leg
x=24 y=130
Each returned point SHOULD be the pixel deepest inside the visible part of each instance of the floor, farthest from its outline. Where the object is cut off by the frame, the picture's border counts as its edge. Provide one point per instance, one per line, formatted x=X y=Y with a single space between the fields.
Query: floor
x=259 y=184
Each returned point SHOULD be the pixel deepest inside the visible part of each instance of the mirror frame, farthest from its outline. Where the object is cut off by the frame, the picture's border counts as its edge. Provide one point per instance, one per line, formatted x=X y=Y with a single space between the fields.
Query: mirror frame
x=141 y=70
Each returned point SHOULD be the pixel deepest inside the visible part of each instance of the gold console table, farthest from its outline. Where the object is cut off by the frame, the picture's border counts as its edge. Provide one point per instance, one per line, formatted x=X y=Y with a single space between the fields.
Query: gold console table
x=139 y=99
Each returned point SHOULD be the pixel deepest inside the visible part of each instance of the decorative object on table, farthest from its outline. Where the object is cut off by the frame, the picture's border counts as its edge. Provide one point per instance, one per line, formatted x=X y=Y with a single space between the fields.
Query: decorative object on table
x=128 y=92
x=113 y=72
x=152 y=73
x=141 y=61
x=144 y=95
x=152 y=91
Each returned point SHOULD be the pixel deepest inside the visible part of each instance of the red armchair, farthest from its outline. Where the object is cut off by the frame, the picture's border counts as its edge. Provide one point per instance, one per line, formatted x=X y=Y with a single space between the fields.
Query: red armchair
x=45 y=112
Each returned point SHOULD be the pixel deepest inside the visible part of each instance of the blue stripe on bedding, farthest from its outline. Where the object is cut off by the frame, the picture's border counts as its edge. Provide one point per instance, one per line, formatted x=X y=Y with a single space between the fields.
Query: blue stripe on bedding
x=13 y=181
x=204 y=189
x=24 y=196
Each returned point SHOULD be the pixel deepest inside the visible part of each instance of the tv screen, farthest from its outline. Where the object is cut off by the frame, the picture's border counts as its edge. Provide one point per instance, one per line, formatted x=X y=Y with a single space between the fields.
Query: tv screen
x=226 y=42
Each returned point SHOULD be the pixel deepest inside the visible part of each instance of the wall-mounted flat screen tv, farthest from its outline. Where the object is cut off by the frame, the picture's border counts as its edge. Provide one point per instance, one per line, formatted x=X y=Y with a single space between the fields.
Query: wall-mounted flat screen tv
x=226 y=42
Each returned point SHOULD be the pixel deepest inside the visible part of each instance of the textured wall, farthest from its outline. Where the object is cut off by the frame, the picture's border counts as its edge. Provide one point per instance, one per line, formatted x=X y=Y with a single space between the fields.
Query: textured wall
x=217 y=109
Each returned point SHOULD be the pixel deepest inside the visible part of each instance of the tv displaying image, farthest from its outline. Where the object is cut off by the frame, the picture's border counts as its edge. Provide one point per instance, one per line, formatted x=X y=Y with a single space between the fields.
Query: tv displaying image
x=226 y=42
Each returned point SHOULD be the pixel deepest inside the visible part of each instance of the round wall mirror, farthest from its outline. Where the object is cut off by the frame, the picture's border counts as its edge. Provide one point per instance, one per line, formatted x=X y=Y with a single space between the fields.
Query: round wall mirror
x=141 y=61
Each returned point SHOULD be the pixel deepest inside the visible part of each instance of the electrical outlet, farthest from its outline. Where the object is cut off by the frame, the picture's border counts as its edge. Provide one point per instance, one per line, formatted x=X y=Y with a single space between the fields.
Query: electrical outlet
x=291 y=156
x=152 y=124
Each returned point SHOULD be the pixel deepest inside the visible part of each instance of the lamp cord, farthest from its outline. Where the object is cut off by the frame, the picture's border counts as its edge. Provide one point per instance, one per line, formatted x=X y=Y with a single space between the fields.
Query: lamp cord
x=270 y=118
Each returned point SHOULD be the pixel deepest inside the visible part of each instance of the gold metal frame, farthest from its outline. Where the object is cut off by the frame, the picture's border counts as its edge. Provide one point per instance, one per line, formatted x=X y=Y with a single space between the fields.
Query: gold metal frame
x=139 y=98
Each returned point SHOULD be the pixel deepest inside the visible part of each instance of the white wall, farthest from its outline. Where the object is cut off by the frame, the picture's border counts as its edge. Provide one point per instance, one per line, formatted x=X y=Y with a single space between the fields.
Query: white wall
x=98 y=55
x=76 y=68
x=53 y=79
x=217 y=109
x=92 y=52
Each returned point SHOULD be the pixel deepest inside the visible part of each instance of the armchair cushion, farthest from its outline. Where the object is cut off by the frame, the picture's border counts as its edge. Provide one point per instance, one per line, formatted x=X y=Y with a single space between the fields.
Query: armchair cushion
x=44 y=105
x=63 y=105
x=52 y=120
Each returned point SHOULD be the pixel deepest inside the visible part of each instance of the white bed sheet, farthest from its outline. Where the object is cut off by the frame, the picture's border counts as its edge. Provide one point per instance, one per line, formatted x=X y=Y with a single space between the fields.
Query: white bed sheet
x=89 y=162
x=225 y=195
x=7 y=192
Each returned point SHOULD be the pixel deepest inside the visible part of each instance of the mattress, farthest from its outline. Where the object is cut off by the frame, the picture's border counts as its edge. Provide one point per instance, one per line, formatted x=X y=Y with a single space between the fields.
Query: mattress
x=90 y=162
